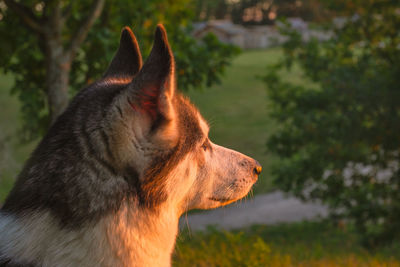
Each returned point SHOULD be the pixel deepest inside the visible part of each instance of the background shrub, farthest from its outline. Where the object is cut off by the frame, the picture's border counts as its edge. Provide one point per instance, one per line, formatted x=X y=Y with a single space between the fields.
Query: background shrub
x=338 y=140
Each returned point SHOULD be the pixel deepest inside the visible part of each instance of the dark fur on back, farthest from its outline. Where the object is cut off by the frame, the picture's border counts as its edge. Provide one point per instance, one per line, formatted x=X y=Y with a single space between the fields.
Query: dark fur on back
x=66 y=173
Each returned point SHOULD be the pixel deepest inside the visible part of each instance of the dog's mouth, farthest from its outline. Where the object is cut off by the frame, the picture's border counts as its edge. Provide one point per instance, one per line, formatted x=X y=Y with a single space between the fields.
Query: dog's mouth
x=223 y=201
x=219 y=199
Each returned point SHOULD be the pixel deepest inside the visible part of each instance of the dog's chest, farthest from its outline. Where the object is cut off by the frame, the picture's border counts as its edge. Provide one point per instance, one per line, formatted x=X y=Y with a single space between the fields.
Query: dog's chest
x=127 y=238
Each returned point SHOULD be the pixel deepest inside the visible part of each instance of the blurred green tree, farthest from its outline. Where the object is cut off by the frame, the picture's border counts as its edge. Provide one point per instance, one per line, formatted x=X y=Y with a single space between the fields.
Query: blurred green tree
x=53 y=48
x=211 y=9
x=259 y=12
x=338 y=139
x=253 y=12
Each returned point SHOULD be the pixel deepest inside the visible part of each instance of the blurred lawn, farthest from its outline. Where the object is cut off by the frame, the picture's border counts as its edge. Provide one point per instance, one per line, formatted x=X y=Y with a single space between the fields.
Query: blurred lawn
x=300 y=244
x=12 y=154
x=236 y=110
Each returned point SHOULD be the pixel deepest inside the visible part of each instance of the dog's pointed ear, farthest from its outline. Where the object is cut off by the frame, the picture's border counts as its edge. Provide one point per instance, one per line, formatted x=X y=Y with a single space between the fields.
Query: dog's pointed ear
x=153 y=88
x=128 y=59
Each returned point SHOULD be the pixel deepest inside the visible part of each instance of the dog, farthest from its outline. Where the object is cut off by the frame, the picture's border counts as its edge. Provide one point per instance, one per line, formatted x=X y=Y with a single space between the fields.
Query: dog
x=108 y=182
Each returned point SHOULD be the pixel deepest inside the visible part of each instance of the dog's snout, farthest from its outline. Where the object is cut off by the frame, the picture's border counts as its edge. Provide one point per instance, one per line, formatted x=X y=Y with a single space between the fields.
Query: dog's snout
x=257 y=169
x=253 y=165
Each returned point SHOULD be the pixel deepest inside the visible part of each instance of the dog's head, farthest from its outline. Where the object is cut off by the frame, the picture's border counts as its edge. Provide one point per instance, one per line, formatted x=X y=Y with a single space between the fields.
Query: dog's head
x=133 y=135
x=161 y=138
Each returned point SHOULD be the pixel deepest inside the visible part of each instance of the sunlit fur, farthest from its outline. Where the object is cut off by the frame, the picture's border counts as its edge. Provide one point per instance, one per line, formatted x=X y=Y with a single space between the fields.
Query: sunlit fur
x=108 y=183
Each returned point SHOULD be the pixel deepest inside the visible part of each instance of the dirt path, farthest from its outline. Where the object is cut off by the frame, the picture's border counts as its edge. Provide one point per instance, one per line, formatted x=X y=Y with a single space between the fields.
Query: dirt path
x=269 y=208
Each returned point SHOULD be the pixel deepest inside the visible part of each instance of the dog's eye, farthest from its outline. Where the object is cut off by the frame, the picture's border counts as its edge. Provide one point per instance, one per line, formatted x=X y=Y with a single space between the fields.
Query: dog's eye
x=205 y=145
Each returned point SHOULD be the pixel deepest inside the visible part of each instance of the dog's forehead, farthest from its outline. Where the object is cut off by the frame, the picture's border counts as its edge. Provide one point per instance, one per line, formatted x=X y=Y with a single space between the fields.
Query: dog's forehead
x=203 y=124
x=192 y=125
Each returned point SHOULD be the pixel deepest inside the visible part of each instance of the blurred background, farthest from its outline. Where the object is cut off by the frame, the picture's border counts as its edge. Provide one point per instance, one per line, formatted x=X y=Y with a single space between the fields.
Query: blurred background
x=310 y=88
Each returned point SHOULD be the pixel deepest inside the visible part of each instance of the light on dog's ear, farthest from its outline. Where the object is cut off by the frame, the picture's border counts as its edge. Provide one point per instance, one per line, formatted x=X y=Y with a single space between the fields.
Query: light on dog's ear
x=153 y=88
x=128 y=59
x=161 y=61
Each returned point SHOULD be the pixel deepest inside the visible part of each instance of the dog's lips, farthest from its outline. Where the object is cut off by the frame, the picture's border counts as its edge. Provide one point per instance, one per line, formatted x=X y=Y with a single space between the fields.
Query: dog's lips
x=219 y=199
x=226 y=201
x=223 y=201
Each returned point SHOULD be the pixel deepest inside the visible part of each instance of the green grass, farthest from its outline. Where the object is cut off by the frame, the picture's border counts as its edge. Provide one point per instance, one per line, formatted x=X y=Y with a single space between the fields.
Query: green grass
x=299 y=244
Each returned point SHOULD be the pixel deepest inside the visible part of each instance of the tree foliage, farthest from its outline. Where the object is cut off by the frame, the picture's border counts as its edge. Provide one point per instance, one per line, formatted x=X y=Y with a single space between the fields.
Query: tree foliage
x=339 y=139
x=259 y=12
x=24 y=54
x=211 y=9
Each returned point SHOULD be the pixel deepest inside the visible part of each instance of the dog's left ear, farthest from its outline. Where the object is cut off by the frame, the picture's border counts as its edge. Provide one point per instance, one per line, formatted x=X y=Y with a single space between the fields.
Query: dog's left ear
x=128 y=59
x=152 y=90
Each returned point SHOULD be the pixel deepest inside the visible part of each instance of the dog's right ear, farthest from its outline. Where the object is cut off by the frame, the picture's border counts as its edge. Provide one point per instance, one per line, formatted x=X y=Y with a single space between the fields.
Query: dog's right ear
x=128 y=59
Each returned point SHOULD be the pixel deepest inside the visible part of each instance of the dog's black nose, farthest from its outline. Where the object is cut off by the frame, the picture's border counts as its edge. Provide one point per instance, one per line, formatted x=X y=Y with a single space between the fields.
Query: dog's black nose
x=257 y=169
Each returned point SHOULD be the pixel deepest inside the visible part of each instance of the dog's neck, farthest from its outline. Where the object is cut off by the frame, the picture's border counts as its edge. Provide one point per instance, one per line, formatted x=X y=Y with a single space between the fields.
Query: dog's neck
x=142 y=237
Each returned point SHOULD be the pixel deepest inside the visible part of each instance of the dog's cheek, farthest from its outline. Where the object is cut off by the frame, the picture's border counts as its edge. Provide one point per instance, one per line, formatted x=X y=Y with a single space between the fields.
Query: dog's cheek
x=200 y=158
x=196 y=178
x=206 y=173
x=166 y=135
